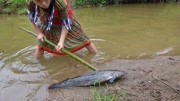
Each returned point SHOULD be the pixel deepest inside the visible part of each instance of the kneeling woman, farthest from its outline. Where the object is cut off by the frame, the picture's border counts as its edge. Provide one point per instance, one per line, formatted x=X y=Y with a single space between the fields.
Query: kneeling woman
x=54 y=20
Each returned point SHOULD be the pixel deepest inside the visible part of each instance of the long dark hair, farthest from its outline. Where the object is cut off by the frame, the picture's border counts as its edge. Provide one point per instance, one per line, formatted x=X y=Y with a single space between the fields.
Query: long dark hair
x=50 y=8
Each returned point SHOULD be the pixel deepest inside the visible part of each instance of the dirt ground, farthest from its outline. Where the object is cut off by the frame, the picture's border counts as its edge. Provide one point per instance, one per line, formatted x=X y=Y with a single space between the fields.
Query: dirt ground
x=154 y=79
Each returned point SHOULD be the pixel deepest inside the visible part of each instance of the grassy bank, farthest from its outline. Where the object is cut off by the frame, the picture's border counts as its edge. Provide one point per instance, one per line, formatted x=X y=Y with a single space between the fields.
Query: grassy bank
x=12 y=6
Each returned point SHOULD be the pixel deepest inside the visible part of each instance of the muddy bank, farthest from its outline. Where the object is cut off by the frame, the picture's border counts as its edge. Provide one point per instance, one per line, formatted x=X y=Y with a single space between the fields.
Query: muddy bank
x=138 y=84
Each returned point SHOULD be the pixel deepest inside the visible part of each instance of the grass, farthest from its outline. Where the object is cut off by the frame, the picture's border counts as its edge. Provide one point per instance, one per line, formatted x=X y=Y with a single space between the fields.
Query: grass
x=106 y=94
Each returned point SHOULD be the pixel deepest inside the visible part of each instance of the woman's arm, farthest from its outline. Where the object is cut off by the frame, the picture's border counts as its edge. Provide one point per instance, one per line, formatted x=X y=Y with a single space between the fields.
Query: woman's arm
x=64 y=33
x=40 y=36
x=62 y=5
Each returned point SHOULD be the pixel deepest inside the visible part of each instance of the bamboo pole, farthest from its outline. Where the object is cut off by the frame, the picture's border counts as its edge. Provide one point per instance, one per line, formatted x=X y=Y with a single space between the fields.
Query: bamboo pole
x=65 y=51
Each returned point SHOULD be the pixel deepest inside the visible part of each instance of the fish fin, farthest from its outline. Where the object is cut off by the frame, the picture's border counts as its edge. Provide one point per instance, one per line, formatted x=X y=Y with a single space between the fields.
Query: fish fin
x=112 y=79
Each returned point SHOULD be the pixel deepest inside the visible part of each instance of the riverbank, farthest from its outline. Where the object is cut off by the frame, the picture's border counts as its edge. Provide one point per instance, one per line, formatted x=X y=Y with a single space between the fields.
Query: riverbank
x=146 y=80
x=19 y=6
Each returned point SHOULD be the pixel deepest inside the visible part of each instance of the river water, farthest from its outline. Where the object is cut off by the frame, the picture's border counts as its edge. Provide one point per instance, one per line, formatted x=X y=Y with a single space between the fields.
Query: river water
x=124 y=31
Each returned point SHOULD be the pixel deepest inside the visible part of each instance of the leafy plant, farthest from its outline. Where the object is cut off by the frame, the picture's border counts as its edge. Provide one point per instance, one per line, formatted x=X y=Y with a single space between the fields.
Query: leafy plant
x=11 y=6
x=22 y=11
x=80 y=2
x=106 y=94
x=97 y=96
x=99 y=2
x=18 y=6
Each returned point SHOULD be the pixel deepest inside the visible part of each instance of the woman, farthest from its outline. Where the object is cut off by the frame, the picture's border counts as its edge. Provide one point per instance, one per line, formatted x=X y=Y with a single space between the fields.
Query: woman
x=54 y=20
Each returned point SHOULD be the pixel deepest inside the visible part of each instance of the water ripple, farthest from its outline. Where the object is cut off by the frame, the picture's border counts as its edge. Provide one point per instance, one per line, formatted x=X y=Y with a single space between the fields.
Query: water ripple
x=165 y=51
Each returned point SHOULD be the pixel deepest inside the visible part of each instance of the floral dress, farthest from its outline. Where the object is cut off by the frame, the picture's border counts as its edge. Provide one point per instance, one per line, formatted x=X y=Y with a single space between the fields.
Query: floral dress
x=51 y=20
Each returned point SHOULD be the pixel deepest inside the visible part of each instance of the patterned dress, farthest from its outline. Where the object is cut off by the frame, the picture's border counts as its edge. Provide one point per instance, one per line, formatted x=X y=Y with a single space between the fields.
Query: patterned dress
x=51 y=20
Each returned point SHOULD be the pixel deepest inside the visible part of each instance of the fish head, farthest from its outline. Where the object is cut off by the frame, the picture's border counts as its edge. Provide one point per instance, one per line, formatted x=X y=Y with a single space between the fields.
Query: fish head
x=118 y=73
x=115 y=75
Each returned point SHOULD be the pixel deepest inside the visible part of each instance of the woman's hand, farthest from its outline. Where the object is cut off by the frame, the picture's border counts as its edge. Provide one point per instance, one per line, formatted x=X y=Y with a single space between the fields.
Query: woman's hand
x=59 y=46
x=41 y=37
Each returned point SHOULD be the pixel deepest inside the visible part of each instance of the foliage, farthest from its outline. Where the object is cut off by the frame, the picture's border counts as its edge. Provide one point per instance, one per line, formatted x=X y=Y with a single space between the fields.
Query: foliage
x=106 y=94
x=80 y=2
x=115 y=2
x=1 y=1
x=11 y=6
x=17 y=2
x=18 y=6
x=22 y=11
x=99 y=2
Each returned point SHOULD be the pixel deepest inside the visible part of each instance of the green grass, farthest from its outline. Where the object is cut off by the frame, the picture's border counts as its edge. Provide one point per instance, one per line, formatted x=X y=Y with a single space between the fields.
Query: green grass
x=12 y=6
x=106 y=94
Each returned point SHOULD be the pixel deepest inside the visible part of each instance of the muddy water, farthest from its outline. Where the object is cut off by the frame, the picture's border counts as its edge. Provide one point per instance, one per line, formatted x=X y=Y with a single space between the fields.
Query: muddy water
x=125 y=31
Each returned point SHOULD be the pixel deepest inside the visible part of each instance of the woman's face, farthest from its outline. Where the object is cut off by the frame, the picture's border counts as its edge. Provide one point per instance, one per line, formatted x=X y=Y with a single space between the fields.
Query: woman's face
x=42 y=3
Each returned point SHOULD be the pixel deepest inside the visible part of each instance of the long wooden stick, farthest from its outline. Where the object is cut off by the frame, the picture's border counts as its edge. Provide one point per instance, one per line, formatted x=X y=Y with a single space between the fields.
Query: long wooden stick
x=65 y=51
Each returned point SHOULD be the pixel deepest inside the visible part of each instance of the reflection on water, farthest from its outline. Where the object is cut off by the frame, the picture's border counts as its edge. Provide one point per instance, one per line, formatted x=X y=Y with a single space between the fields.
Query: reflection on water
x=125 y=31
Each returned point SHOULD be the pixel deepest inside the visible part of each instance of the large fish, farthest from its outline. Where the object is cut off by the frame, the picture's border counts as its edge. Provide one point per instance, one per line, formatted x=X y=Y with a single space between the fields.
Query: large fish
x=98 y=77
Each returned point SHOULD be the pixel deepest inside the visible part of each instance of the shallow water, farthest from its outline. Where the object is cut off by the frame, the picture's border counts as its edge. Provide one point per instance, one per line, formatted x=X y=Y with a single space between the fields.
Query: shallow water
x=125 y=31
